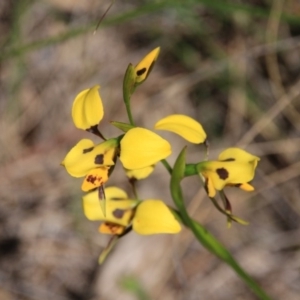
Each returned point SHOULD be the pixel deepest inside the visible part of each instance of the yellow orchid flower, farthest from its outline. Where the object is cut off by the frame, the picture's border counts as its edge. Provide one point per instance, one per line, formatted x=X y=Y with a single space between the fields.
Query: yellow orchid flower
x=147 y=217
x=141 y=147
x=92 y=161
x=235 y=167
x=87 y=110
x=144 y=67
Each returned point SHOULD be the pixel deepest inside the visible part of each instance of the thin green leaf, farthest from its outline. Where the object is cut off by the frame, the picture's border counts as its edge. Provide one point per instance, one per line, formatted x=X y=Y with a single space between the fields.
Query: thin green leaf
x=122 y=126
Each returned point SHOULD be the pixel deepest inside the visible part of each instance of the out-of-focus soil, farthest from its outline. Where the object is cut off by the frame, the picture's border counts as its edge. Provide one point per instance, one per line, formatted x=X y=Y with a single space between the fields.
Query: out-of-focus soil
x=236 y=73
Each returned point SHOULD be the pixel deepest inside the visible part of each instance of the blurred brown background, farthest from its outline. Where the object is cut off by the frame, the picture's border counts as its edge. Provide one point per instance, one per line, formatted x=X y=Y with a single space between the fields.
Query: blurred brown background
x=232 y=65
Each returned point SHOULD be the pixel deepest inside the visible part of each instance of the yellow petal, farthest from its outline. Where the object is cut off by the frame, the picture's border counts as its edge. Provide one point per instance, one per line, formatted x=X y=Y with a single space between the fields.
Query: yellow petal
x=246 y=187
x=85 y=156
x=210 y=189
x=111 y=228
x=139 y=174
x=87 y=110
x=95 y=178
x=141 y=148
x=239 y=155
x=228 y=172
x=116 y=193
x=153 y=217
x=143 y=68
x=185 y=126
x=117 y=211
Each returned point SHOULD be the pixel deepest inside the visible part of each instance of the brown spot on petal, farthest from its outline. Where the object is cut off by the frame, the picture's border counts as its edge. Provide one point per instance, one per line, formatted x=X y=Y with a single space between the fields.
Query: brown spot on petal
x=223 y=173
x=92 y=179
x=114 y=228
x=141 y=71
x=229 y=159
x=87 y=150
x=99 y=159
x=118 y=213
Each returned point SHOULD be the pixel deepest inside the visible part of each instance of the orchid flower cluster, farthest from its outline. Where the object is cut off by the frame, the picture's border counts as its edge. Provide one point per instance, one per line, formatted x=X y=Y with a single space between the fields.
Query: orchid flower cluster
x=139 y=149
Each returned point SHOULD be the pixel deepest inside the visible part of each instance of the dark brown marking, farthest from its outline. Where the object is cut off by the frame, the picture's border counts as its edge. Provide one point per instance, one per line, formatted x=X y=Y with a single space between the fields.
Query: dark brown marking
x=113 y=227
x=223 y=173
x=229 y=159
x=118 y=213
x=99 y=159
x=87 y=150
x=206 y=186
x=141 y=71
x=101 y=193
x=238 y=184
x=91 y=179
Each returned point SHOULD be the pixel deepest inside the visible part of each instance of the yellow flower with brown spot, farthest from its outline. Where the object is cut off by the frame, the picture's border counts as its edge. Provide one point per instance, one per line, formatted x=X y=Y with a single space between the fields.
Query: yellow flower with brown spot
x=141 y=147
x=92 y=161
x=150 y=216
x=234 y=167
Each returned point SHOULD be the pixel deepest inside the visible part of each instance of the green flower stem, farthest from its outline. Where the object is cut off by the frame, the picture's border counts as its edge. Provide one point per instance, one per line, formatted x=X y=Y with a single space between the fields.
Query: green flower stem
x=203 y=236
x=215 y=247
x=130 y=118
x=190 y=170
x=167 y=166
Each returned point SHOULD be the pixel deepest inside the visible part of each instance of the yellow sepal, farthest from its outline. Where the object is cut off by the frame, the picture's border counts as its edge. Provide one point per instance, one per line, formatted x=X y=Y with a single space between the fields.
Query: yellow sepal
x=185 y=126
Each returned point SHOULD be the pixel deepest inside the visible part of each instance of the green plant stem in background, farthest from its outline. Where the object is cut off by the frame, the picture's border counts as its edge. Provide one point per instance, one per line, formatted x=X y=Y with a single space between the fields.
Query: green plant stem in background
x=203 y=236
x=222 y=6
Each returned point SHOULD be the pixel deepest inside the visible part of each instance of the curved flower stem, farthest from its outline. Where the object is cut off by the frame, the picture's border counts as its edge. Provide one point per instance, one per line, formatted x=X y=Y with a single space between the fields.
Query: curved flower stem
x=167 y=166
x=215 y=247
